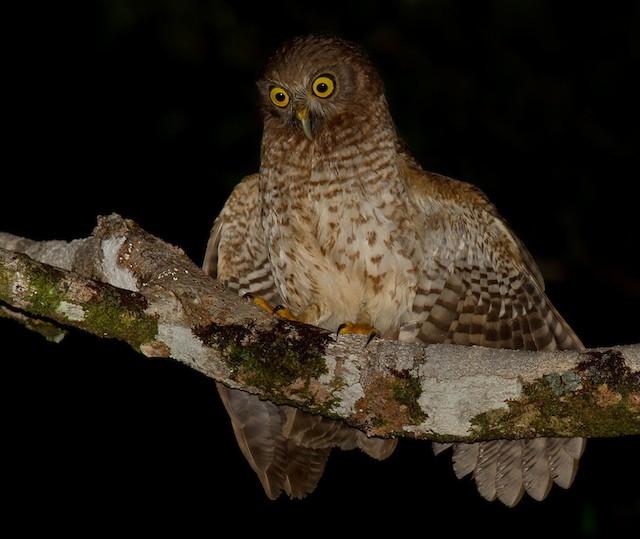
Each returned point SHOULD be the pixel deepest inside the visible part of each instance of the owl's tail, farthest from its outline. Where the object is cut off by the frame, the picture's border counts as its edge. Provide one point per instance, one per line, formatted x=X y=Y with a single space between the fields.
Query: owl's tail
x=287 y=448
x=506 y=469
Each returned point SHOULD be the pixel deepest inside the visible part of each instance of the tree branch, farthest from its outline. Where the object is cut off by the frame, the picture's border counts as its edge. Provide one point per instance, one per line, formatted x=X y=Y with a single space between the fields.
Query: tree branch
x=123 y=283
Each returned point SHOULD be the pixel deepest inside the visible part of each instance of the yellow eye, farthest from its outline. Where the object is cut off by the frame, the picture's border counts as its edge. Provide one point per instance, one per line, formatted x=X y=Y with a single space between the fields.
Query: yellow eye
x=279 y=96
x=323 y=86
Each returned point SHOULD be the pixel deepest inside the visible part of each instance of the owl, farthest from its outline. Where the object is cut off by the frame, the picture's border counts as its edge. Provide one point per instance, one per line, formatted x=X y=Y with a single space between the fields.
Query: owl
x=343 y=226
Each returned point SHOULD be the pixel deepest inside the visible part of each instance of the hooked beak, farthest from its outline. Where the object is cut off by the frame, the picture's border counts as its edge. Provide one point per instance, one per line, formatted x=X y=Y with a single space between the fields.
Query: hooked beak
x=302 y=113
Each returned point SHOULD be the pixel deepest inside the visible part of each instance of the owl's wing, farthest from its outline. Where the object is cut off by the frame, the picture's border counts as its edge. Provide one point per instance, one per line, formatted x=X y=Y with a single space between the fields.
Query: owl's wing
x=236 y=253
x=480 y=286
x=287 y=448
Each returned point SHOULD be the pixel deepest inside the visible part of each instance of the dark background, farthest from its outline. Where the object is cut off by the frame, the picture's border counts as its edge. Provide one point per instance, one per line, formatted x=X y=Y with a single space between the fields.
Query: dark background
x=147 y=108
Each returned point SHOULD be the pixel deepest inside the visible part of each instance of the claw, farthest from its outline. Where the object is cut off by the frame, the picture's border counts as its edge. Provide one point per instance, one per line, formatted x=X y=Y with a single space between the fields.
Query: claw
x=280 y=310
x=375 y=334
x=259 y=302
x=284 y=312
x=359 y=329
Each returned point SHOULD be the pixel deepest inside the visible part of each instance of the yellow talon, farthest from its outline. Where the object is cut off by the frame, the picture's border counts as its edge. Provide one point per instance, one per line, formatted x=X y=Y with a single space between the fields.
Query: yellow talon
x=359 y=329
x=259 y=302
x=284 y=312
x=280 y=310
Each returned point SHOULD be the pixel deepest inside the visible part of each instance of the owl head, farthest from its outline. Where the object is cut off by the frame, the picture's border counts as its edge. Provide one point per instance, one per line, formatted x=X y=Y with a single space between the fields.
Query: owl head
x=316 y=83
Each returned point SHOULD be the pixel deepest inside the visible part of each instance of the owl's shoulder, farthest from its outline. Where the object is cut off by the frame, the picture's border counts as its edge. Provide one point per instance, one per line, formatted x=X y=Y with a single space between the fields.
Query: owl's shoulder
x=436 y=192
x=467 y=217
x=245 y=191
x=235 y=224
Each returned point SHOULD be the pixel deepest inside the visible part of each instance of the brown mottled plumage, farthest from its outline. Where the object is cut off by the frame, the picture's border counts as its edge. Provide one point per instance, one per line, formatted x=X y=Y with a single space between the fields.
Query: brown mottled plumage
x=342 y=224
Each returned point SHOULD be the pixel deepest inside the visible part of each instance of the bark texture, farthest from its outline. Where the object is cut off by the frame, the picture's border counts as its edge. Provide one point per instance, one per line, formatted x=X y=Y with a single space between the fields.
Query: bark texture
x=124 y=283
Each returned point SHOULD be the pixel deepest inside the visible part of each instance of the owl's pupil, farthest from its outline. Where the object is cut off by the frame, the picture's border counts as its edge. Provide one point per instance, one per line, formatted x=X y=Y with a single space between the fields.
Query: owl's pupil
x=280 y=97
x=322 y=87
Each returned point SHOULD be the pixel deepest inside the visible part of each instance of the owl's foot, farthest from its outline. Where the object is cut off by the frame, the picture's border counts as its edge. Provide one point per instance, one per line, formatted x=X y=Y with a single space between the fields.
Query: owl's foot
x=348 y=328
x=280 y=310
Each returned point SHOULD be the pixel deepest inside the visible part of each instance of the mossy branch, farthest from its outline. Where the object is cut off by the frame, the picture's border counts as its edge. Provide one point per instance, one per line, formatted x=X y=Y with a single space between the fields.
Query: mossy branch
x=123 y=283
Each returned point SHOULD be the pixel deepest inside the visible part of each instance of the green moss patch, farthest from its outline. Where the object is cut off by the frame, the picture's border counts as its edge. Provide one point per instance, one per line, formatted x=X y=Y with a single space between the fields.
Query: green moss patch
x=270 y=361
x=600 y=398
x=406 y=390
